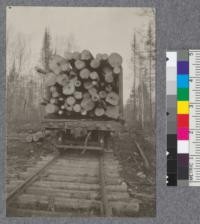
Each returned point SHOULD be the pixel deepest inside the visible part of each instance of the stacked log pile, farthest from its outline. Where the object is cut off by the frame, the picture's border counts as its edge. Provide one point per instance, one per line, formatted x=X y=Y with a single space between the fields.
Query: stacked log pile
x=83 y=85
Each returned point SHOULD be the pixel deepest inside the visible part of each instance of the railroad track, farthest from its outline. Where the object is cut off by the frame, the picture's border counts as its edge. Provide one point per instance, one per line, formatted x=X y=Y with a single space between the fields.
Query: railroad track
x=74 y=184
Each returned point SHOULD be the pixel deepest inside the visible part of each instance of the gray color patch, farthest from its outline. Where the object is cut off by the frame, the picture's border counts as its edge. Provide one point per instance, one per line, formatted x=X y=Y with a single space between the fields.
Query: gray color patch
x=183 y=55
x=172 y=114
x=171 y=127
x=182 y=183
x=171 y=74
x=171 y=100
x=171 y=88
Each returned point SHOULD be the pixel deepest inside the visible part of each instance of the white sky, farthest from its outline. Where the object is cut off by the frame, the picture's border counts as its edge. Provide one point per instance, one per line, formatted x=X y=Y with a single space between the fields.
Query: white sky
x=101 y=30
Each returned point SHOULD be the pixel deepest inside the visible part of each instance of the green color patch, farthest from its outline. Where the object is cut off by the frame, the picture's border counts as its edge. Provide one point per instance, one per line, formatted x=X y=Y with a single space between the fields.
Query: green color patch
x=183 y=94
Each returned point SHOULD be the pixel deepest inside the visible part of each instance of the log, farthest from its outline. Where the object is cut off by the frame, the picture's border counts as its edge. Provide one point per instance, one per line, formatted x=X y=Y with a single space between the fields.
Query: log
x=95 y=63
x=60 y=112
x=51 y=108
x=68 y=55
x=77 y=108
x=66 y=185
x=102 y=94
x=83 y=112
x=112 y=112
x=102 y=84
x=104 y=57
x=115 y=60
x=46 y=94
x=70 y=100
x=125 y=208
x=40 y=70
x=76 y=55
x=99 y=57
x=72 y=73
x=102 y=104
x=62 y=107
x=94 y=75
x=109 y=77
x=69 y=108
x=78 y=95
x=146 y=162
x=53 y=89
x=112 y=98
x=77 y=83
x=41 y=134
x=86 y=55
x=86 y=95
x=73 y=80
x=50 y=79
x=62 y=79
x=37 y=136
x=108 y=88
x=61 y=99
x=87 y=104
x=29 y=138
x=58 y=64
x=95 y=98
x=55 y=94
x=64 y=193
x=60 y=203
x=116 y=70
x=95 y=83
x=54 y=101
x=79 y=64
x=84 y=73
x=44 y=102
x=99 y=111
x=69 y=89
x=93 y=91
x=87 y=85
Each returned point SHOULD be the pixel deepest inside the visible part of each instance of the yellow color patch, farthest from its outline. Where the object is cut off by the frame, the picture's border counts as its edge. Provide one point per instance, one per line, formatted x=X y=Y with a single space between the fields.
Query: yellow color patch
x=182 y=107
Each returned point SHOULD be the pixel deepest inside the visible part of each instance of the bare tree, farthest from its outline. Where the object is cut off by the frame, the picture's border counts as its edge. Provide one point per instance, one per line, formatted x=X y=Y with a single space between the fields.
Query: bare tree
x=46 y=51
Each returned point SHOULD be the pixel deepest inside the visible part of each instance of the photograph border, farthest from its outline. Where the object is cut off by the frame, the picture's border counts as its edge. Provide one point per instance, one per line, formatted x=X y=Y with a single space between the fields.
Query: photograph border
x=177 y=27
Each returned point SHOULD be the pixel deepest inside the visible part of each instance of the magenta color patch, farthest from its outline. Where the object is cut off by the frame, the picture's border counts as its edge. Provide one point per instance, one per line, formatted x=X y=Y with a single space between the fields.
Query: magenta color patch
x=183 y=134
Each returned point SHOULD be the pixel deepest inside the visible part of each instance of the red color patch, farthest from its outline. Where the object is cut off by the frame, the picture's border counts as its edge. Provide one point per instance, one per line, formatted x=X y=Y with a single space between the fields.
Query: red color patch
x=183 y=120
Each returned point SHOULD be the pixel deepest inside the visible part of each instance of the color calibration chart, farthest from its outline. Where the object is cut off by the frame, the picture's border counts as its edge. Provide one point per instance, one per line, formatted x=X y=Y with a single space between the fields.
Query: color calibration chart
x=183 y=117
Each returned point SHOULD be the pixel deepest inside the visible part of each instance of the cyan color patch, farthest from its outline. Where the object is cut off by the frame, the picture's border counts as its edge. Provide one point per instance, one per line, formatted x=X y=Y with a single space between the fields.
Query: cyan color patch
x=182 y=81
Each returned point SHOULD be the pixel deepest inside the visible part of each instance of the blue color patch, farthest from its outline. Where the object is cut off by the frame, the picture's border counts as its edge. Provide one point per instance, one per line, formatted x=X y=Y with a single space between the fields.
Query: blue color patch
x=183 y=67
x=182 y=81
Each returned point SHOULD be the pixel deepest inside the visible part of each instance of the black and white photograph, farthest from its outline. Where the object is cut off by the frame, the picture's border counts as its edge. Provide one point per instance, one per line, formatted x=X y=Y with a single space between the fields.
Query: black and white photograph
x=80 y=112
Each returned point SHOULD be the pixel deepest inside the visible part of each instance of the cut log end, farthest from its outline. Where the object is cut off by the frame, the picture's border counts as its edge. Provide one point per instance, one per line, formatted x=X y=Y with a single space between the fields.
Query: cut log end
x=99 y=111
x=115 y=60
